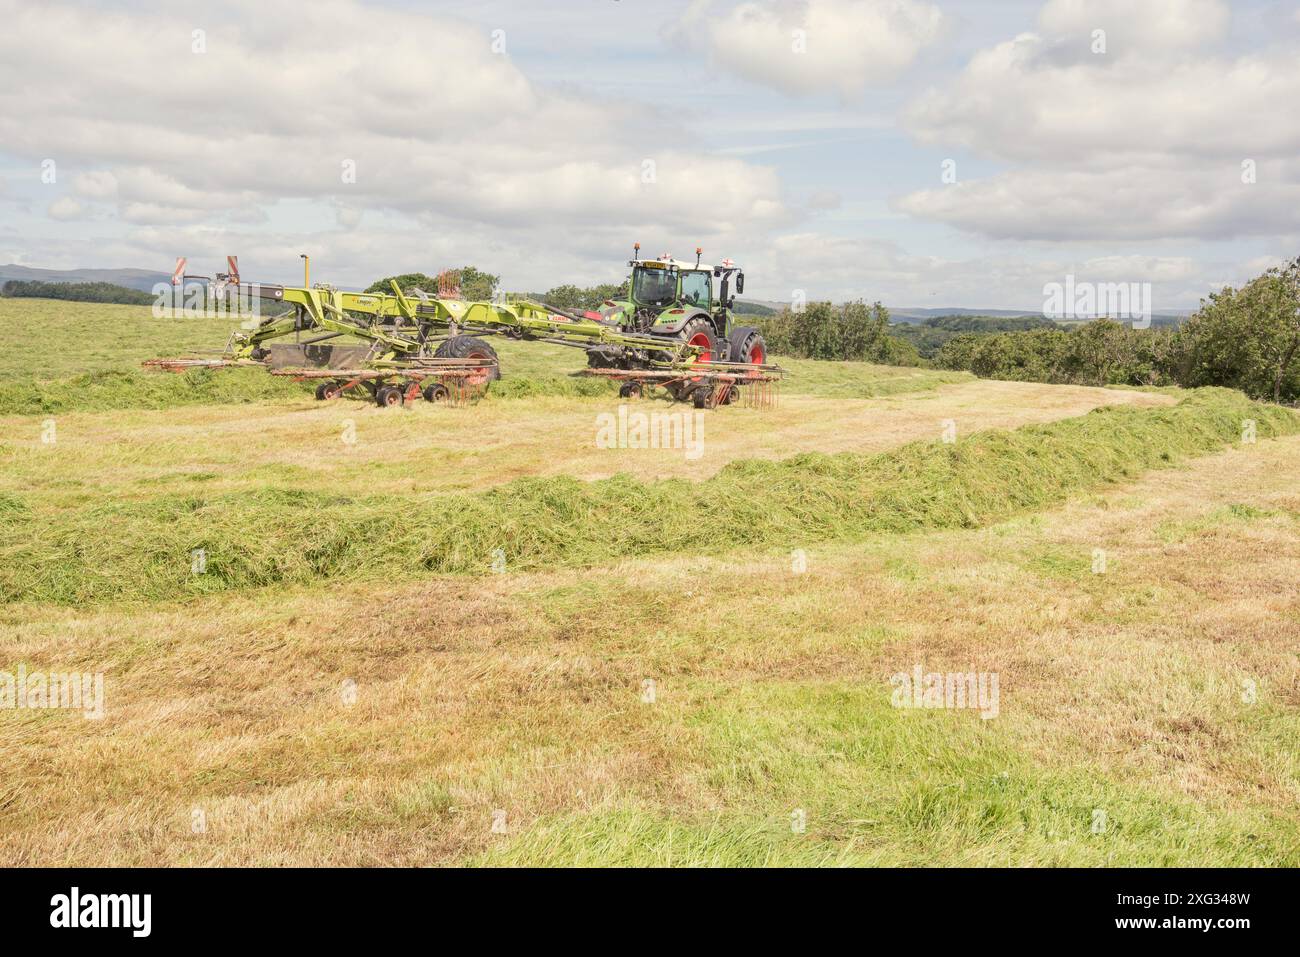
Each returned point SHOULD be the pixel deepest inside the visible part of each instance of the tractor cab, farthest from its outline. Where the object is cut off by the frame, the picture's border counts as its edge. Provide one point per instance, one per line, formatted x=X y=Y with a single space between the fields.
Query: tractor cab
x=665 y=294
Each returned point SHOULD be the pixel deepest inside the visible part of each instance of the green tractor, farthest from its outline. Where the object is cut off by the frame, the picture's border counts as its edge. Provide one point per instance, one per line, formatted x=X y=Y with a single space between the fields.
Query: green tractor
x=680 y=302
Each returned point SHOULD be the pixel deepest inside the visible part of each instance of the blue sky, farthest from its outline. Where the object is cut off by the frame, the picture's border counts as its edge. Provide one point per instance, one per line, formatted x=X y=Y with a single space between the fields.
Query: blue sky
x=805 y=139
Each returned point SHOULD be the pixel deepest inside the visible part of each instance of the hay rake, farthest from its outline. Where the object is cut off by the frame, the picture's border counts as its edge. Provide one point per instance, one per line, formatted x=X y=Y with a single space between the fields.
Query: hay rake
x=455 y=382
x=407 y=338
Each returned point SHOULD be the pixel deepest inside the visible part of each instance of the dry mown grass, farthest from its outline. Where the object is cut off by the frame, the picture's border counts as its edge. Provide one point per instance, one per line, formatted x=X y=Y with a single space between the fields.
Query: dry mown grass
x=1120 y=691
x=423 y=448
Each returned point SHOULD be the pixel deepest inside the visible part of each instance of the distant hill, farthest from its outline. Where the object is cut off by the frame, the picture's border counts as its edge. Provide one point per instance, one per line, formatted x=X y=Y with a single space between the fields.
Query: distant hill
x=142 y=279
x=917 y=316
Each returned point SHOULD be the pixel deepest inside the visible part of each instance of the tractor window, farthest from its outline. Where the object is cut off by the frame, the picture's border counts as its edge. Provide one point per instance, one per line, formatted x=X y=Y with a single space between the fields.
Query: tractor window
x=654 y=287
x=697 y=289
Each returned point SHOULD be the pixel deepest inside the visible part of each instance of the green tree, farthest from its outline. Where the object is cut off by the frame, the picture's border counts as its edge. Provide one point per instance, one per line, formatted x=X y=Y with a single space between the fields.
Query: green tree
x=475 y=285
x=853 y=330
x=1247 y=338
x=408 y=280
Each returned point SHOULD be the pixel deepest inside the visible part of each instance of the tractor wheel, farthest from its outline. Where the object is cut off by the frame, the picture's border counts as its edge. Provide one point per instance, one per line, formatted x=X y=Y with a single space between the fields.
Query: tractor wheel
x=389 y=395
x=747 y=346
x=699 y=332
x=468 y=347
x=328 y=390
x=436 y=392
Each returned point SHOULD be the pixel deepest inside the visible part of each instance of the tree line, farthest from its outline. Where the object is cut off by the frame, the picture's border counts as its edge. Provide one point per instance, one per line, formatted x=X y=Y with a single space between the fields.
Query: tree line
x=1246 y=339
x=75 y=292
x=823 y=330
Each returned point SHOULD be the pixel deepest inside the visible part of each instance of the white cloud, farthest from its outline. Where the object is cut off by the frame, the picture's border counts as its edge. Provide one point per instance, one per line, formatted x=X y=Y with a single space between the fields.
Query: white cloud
x=432 y=121
x=844 y=267
x=1139 y=26
x=814 y=46
x=1136 y=202
x=96 y=184
x=1143 y=141
x=66 y=208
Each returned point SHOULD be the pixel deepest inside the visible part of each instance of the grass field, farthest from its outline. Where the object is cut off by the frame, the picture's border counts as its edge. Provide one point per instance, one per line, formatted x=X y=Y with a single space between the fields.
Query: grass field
x=472 y=636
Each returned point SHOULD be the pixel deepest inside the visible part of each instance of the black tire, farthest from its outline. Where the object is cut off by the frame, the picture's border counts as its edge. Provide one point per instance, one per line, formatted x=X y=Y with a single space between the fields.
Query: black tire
x=328 y=390
x=700 y=329
x=436 y=392
x=601 y=357
x=629 y=390
x=469 y=347
x=747 y=346
x=390 y=395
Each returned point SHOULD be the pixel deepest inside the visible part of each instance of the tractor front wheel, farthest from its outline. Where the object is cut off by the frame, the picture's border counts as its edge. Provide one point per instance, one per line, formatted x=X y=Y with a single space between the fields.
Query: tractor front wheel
x=698 y=333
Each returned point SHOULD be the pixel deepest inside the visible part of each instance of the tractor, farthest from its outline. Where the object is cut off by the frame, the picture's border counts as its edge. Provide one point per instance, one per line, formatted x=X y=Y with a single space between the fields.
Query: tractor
x=678 y=301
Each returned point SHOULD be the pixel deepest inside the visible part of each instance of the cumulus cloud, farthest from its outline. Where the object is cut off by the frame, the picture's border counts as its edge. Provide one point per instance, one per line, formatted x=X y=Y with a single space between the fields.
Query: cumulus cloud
x=814 y=46
x=394 y=110
x=1145 y=140
x=1134 y=202
x=65 y=208
x=1145 y=25
x=847 y=267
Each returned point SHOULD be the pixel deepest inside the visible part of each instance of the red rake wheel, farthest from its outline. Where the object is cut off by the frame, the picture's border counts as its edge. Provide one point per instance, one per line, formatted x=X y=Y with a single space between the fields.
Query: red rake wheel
x=389 y=395
x=328 y=390
x=479 y=377
x=436 y=392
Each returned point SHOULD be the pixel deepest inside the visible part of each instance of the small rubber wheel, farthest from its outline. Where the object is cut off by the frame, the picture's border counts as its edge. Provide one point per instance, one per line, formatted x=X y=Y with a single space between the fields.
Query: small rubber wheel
x=629 y=390
x=436 y=392
x=328 y=390
x=389 y=395
x=701 y=397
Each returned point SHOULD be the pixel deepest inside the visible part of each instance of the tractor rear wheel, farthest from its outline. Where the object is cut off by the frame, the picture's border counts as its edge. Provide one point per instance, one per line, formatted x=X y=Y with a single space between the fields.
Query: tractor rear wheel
x=468 y=347
x=748 y=346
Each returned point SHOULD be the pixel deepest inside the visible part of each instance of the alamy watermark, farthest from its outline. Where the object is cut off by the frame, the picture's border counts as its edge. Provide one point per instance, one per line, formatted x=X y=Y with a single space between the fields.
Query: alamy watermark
x=651 y=430
x=977 y=690
x=40 y=690
x=1098 y=300
x=205 y=301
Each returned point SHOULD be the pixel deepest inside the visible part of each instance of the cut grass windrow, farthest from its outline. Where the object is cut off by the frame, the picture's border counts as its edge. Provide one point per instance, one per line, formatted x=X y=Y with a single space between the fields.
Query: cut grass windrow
x=144 y=549
x=130 y=389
